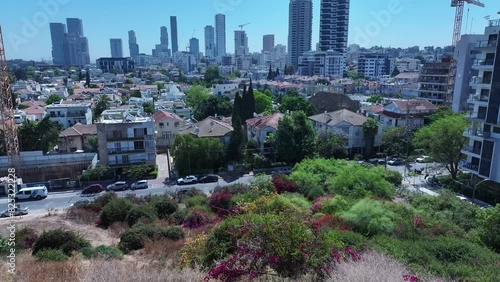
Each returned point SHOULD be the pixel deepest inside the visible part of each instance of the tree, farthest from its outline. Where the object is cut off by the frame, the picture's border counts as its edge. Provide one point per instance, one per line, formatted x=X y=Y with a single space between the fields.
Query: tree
x=211 y=74
x=197 y=154
x=196 y=95
x=137 y=172
x=94 y=142
x=370 y=129
x=148 y=108
x=250 y=101
x=53 y=98
x=375 y=99
x=39 y=136
x=296 y=138
x=332 y=145
x=444 y=140
x=285 y=70
x=297 y=104
x=87 y=78
x=395 y=72
x=277 y=73
x=391 y=141
x=136 y=94
x=160 y=85
x=270 y=75
x=263 y=102
x=442 y=112
x=236 y=115
x=102 y=104
x=236 y=147
x=220 y=105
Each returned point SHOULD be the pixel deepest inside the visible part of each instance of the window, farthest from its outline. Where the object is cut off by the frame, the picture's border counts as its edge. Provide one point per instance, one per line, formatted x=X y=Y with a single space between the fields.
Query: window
x=138 y=145
x=176 y=124
x=496 y=129
x=118 y=147
x=117 y=134
x=168 y=124
x=139 y=132
x=166 y=135
x=125 y=159
x=149 y=144
x=151 y=156
x=161 y=124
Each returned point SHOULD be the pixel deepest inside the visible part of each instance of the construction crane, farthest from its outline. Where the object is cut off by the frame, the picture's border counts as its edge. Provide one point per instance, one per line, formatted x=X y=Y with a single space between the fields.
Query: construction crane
x=459 y=4
x=7 y=114
x=242 y=25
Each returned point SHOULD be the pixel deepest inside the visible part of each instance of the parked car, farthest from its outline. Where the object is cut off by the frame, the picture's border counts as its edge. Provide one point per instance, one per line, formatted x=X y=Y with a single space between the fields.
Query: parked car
x=17 y=211
x=209 y=178
x=141 y=184
x=190 y=179
x=396 y=161
x=117 y=186
x=31 y=193
x=92 y=189
x=422 y=159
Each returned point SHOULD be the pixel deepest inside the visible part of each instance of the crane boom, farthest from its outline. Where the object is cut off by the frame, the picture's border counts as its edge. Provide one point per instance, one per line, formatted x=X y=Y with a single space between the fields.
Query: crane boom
x=7 y=112
x=459 y=4
x=242 y=25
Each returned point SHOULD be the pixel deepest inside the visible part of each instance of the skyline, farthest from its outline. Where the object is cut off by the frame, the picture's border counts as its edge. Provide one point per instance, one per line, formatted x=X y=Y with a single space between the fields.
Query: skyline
x=390 y=24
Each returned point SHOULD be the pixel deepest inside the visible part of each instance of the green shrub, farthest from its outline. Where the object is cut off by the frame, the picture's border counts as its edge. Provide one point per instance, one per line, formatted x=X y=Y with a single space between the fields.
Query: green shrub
x=59 y=239
x=331 y=205
x=171 y=233
x=132 y=239
x=26 y=238
x=4 y=246
x=116 y=210
x=140 y=212
x=178 y=217
x=164 y=206
x=315 y=193
x=371 y=217
x=356 y=181
x=237 y=188
x=262 y=184
x=102 y=251
x=347 y=238
x=51 y=255
x=244 y=198
x=297 y=199
x=135 y=237
x=104 y=199
x=196 y=201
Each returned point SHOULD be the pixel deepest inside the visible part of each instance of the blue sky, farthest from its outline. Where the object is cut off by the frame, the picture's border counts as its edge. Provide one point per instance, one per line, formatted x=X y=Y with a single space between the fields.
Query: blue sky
x=394 y=23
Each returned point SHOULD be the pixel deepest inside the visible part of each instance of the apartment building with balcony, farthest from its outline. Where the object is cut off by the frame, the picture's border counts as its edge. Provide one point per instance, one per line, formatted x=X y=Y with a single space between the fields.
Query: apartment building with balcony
x=125 y=141
x=483 y=149
x=436 y=83
x=70 y=114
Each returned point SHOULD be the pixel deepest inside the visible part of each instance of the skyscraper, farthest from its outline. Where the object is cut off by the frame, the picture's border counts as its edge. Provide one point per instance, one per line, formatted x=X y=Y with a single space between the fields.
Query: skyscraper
x=173 y=30
x=267 y=43
x=116 y=47
x=194 y=46
x=240 y=43
x=164 y=36
x=220 y=35
x=334 y=25
x=69 y=48
x=57 y=34
x=209 y=41
x=132 y=45
x=299 y=29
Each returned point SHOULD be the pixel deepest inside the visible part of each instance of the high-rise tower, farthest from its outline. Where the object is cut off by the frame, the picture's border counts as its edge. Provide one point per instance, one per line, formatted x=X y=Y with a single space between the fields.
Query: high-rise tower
x=220 y=34
x=299 y=29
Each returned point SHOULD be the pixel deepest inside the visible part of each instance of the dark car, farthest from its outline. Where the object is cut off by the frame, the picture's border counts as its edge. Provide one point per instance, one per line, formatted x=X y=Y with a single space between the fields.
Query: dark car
x=209 y=178
x=92 y=189
x=396 y=161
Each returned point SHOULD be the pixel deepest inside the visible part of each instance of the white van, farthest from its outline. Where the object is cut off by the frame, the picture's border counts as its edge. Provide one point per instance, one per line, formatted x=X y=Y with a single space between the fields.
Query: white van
x=37 y=192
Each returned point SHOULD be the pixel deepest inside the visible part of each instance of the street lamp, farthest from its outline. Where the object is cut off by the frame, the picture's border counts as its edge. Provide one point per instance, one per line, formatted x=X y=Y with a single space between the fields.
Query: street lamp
x=475 y=187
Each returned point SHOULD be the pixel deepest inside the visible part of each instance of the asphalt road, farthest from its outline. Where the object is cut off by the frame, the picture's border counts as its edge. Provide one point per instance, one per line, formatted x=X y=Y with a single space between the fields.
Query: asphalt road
x=64 y=199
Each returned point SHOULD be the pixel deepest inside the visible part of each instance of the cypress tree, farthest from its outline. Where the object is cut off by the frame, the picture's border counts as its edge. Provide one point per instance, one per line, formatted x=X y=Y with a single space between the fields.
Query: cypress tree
x=251 y=100
x=87 y=77
x=244 y=105
x=236 y=109
x=277 y=72
x=270 y=74
x=286 y=70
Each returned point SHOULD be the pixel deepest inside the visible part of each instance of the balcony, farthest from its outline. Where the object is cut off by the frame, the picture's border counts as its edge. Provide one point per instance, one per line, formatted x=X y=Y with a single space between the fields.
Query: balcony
x=478 y=98
x=125 y=151
x=486 y=44
x=494 y=23
x=483 y=64
x=474 y=168
x=477 y=132
x=471 y=150
x=481 y=80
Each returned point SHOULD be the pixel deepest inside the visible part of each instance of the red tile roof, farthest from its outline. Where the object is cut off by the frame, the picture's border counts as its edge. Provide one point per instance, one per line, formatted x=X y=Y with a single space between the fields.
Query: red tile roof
x=262 y=122
x=79 y=130
x=161 y=115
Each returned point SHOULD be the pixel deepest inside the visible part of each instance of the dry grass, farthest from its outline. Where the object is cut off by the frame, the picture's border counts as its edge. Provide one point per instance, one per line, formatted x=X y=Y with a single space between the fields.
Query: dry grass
x=29 y=270
x=117 y=228
x=161 y=249
x=82 y=215
x=372 y=268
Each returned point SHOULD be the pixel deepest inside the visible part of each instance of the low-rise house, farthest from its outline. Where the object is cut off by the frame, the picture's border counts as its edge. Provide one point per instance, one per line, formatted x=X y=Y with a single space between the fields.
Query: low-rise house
x=77 y=137
x=70 y=114
x=35 y=113
x=167 y=125
x=349 y=125
x=259 y=128
x=211 y=127
x=405 y=113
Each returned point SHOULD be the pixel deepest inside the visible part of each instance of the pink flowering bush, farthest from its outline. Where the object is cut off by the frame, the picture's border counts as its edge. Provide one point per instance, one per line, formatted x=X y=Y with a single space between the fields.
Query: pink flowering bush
x=221 y=203
x=283 y=184
x=195 y=219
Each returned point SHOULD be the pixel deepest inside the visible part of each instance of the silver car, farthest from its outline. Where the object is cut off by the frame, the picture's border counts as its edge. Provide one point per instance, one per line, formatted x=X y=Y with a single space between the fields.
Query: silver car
x=117 y=186
x=141 y=184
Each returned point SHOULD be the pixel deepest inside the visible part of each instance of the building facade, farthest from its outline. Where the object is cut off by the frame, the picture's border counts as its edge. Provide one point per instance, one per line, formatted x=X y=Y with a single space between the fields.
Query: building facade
x=259 y=128
x=299 y=29
x=194 y=46
x=70 y=114
x=375 y=65
x=483 y=150
x=69 y=48
x=77 y=138
x=132 y=45
x=167 y=125
x=330 y=64
x=116 y=48
x=120 y=65
x=57 y=34
x=436 y=83
x=173 y=31
x=267 y=43
x=334 y=25
x=209 y=41
x=240 y=43
x=220 y=35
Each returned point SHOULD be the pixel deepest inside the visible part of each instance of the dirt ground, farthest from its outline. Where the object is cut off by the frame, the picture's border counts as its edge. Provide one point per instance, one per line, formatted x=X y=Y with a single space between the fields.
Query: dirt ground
x=40 y=221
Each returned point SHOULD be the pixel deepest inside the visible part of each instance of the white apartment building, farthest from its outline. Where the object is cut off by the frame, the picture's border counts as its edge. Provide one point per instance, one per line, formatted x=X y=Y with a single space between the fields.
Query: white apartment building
x=70 y=114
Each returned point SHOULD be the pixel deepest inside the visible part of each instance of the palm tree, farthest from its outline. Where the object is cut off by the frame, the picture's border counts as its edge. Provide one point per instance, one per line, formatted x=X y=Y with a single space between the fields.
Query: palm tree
x=102 y=104
x=370 y=129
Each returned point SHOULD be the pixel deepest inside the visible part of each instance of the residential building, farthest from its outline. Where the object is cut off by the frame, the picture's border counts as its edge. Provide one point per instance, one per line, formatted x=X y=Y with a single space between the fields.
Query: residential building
x=69 y=48
x=132 y=45
x=220 y=35
x=185 y=60
x=161 y=50
x=334 y=25
x=75 y=26
x=408 y=64
x=126 y=141
x=240 y=43
x=299 y=29
x=483 y=149
x=259 y=128
x=173 y=31
x=329 y=63
x=406 y=78
x=267 y=43
x=116 y=47
x=167 y=125
x=120 y=65
x=194 y=46
x=402 y=113
x=464 y=56
x=209 y=41
x=436 y=83
x=77 y=138
x=348 y=124
x=70 y=114
x=211 y=127
x=57 y=34
x=375 y=65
